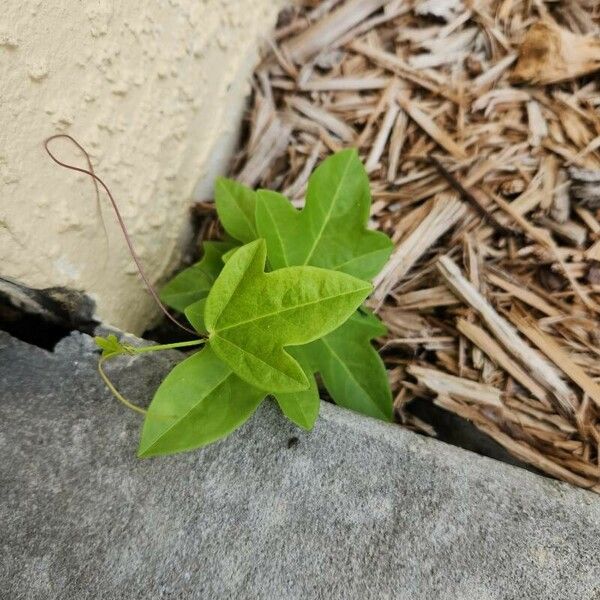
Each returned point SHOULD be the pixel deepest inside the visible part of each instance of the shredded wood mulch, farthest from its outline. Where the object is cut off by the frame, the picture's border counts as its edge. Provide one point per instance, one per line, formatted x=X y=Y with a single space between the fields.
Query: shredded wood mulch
x=478 y=124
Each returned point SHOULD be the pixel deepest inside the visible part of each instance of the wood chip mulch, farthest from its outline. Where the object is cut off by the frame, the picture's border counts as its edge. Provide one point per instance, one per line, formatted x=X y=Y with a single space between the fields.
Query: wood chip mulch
x=478 y=124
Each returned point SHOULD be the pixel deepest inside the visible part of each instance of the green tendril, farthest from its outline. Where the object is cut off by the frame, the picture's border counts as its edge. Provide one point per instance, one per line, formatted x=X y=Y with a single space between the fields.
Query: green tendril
x=114 y=391
x=132 y=350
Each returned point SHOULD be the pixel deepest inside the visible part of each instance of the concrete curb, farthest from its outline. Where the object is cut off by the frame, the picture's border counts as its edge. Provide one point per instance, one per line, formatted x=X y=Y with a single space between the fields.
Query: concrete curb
x=354 y=509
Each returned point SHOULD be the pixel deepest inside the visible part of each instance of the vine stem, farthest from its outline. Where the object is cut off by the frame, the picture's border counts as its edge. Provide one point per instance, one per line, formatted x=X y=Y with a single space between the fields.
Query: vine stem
x=132 y=350
x=171 y=346
x=132 y=251
x=114 y=391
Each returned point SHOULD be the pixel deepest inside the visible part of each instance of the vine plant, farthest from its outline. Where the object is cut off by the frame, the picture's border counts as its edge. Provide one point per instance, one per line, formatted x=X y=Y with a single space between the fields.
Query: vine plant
x=275 y=304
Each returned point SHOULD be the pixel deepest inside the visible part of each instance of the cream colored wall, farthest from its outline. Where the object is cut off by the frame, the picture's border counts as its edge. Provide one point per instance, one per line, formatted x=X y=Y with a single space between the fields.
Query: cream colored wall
x=155 y=91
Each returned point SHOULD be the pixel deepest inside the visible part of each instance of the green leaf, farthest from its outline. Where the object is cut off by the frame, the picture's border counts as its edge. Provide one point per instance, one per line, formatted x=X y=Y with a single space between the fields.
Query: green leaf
x=351 y=369
x=194 y=282
x=199 y=402
x=302 y=408
x=195 y=315
x=228 y=254
x=330 y=231
x=252 y=315
x=236 y=205
x=111 y=346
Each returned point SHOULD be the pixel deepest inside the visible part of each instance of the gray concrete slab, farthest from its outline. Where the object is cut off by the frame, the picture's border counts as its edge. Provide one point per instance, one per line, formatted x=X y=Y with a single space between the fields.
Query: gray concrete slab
x=354 y=509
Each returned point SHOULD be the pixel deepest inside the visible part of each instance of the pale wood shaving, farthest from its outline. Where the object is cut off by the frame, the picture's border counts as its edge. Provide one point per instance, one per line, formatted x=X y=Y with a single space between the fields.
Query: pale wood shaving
x=550 y=53
x=462 y=388
x=495 y=352
x=327 y=29
x=557 y=355
x=540 y=369
x=445 y=211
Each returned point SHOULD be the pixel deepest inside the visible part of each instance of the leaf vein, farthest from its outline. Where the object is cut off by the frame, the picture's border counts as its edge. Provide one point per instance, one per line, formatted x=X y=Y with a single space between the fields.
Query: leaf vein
x=194 y=406
x=242 y=211
x=328 y=215
x=245 y=351
x=356 y=259
x=285 y=310
x=347 y=370
x=278 y=234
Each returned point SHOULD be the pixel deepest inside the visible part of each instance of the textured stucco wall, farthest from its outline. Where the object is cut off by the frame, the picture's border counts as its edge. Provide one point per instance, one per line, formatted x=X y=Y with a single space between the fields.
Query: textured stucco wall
x=154 y=90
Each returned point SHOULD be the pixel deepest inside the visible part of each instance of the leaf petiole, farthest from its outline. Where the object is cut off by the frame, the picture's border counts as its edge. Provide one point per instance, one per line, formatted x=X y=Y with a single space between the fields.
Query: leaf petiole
x=172 y=346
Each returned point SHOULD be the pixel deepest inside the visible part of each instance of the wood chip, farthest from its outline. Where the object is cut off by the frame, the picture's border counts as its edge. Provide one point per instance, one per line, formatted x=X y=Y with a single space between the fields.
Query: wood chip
x=327 y=29
x=495 y=353
x=541 y=370
x=431 y=128
x=321 y=116
x=446 y=210
x=462 y=388
x=550 y=54
x=557 y=355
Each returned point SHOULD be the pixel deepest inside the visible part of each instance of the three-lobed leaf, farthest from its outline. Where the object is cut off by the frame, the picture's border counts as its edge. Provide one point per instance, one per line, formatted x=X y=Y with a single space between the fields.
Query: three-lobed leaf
x=351 y=369
x=331 y=230
x=252 y=315
x=199 y=402
x=195 y=282
x=236 y=206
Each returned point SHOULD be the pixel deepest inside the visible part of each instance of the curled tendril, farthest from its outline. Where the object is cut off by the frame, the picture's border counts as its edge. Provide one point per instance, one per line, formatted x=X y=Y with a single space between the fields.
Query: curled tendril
x=90 y=171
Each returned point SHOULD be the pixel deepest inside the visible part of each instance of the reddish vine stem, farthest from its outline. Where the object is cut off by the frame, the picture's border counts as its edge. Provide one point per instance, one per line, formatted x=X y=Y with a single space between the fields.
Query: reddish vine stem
x=97 y=180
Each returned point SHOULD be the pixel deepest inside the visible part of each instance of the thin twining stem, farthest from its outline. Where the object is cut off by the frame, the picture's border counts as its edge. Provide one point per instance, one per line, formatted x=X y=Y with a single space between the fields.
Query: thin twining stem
x=134 y=255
